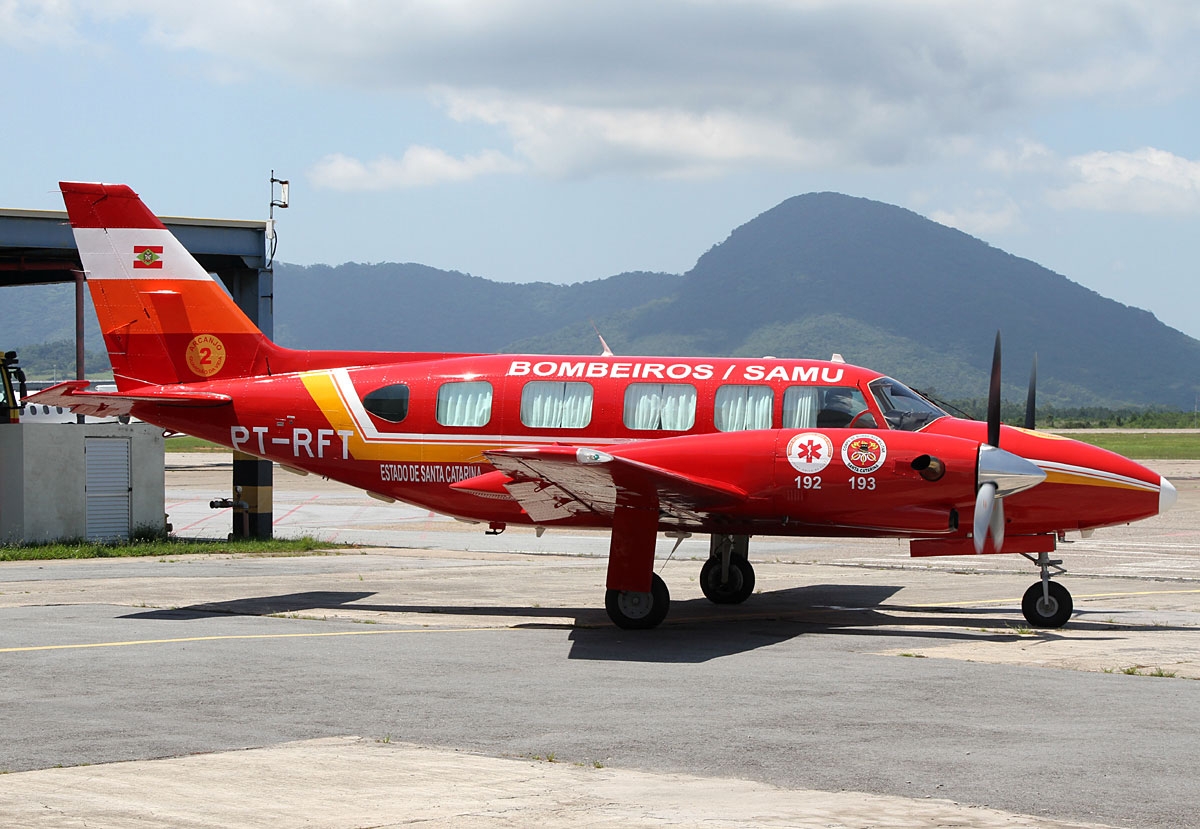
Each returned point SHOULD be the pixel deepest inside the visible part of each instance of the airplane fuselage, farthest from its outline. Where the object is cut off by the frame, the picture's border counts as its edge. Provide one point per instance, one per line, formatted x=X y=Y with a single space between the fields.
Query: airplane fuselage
x=412 y=430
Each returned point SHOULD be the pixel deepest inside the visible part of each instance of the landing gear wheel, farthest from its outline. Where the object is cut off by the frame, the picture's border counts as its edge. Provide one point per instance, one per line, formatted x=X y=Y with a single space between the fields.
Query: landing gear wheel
x=1043 y=613
x=736 y=590
x=631 y=610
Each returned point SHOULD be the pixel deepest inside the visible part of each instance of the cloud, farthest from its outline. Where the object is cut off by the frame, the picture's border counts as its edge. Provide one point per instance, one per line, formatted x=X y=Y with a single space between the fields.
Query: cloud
x=25 y=24
x=1000 y=216
x=562 y=141
x=696 y=87
x=1026 y=157
x=418 y=167
x=1143 y=181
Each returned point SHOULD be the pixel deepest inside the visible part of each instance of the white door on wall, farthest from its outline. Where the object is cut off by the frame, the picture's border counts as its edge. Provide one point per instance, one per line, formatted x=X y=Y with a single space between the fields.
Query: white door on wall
x=107 y=488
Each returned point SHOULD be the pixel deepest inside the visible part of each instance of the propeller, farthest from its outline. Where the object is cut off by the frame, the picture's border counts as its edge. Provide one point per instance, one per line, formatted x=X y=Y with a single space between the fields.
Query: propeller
x=1000 y=473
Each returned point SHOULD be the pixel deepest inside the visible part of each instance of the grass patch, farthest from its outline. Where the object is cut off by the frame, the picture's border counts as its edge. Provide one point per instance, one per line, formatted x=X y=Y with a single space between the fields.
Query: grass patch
x=1145 y=445
x=187 y=443
x=160 y=547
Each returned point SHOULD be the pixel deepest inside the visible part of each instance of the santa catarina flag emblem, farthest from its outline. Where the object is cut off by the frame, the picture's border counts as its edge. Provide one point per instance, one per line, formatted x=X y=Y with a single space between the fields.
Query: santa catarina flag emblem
x=147 y=256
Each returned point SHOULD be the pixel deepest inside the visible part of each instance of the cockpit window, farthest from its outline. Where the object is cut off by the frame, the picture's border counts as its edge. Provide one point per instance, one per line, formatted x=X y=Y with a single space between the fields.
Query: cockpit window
x=902 y=407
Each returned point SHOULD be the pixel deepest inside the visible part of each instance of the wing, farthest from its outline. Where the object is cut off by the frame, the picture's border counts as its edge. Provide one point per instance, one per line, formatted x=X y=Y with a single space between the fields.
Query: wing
x=555 y=482
x=71 y=394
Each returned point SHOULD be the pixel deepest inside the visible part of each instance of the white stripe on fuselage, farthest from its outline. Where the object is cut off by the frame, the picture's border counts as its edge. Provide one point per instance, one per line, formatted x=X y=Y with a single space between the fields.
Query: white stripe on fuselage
x=370 y=434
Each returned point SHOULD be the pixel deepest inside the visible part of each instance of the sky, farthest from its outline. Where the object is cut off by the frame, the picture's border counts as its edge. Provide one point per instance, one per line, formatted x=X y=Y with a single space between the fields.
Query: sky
x=523 y=140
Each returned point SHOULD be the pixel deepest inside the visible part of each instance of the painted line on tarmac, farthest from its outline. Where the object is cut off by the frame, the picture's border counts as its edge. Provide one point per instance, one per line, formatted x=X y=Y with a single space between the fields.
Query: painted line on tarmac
x=293 y=509
x=314 y=635
x=1077 y=596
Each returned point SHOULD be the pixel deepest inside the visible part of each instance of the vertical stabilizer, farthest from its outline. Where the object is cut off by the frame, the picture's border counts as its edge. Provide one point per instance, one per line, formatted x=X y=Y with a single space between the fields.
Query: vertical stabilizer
x=164 y=318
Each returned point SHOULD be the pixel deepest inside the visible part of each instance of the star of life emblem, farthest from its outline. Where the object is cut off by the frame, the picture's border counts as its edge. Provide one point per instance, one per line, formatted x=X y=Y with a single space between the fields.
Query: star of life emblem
x=809 y=452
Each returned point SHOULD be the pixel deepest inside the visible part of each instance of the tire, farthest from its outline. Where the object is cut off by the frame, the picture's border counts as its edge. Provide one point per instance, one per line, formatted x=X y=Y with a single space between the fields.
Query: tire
x=736 y=590
x=630 y=610
x=1039 y=614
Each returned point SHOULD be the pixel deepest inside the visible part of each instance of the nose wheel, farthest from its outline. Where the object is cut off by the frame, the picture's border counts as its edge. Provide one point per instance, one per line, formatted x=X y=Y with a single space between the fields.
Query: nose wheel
x=1047 y=604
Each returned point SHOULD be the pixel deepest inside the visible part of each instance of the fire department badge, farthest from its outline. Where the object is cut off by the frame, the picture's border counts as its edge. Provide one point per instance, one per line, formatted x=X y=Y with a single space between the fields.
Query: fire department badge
x=810 y=452
x=863 y=453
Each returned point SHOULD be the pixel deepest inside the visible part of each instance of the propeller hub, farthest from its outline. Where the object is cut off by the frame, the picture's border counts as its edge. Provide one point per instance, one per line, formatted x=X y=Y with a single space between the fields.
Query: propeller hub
x=1010 y=473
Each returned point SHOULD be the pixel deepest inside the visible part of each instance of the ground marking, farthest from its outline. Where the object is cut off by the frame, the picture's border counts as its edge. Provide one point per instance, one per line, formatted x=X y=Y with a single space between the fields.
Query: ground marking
x=81 y=646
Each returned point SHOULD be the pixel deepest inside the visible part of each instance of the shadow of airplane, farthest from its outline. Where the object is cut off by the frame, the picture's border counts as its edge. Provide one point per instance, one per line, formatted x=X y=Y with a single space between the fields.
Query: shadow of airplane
x=697 y=630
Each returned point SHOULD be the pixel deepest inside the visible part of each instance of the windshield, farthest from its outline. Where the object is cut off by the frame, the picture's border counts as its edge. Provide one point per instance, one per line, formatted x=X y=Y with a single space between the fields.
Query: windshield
x=902 y=407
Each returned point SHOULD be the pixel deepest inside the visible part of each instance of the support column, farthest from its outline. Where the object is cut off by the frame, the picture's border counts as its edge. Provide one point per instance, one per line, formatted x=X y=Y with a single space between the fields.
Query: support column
x=252 y=487
x=253 y=291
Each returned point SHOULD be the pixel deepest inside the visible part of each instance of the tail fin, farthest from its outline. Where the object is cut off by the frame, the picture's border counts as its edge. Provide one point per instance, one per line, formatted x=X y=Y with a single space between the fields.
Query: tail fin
x=164 y=318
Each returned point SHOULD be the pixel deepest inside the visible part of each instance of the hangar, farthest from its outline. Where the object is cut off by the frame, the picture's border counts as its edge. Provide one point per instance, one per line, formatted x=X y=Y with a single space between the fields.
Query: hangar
x=38 y=248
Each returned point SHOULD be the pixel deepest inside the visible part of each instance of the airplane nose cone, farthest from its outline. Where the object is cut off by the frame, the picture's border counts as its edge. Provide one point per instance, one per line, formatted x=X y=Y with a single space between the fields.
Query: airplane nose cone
x=1166 y=495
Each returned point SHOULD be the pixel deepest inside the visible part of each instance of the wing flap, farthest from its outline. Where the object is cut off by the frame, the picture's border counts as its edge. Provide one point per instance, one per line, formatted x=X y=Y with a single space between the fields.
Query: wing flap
x=72 y=394
x=555 y=482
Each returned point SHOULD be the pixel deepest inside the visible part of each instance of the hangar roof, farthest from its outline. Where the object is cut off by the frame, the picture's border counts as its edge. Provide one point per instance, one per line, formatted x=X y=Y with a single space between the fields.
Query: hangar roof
x=37 y=247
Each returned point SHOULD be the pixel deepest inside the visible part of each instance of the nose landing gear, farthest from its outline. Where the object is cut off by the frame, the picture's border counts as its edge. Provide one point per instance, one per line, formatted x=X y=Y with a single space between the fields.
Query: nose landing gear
x=1047 y=604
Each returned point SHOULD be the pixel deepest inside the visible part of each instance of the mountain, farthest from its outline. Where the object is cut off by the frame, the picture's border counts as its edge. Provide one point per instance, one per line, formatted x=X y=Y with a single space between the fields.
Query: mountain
x=890 y=289
x=817 y=274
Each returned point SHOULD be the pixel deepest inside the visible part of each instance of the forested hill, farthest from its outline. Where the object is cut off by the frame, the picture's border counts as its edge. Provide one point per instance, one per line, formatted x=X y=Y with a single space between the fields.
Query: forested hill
x=895 y=291
x=409 y=307
x=818 y=274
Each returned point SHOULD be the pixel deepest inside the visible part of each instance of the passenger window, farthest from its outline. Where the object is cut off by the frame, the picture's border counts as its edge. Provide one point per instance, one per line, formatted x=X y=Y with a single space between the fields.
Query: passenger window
x=743 y=407
x=554 y=405
x=670 y=406
x=800 y=407
x=389 y=403
x=465 y=404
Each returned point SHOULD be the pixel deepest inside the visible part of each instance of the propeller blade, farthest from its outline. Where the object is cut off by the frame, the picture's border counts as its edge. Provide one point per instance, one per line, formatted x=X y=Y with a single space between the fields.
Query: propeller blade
x=985 y=504
x=993 y=405
x=996 y=525
x=1031 y=398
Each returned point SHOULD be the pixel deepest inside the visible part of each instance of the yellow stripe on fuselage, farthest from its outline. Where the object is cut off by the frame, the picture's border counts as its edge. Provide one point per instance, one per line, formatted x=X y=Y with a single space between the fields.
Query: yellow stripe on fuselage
x=324 y=392
x=1054 y=476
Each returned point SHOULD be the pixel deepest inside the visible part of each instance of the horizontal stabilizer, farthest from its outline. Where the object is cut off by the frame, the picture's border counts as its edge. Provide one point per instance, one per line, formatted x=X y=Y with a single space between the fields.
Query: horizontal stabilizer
x=72 y=394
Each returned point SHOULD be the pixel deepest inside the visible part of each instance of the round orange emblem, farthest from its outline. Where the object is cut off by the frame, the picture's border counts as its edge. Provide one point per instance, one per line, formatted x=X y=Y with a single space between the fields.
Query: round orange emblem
x=205 y=355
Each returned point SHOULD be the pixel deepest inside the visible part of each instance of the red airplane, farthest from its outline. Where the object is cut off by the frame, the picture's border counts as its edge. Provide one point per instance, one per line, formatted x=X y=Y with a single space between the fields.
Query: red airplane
x=641 y=445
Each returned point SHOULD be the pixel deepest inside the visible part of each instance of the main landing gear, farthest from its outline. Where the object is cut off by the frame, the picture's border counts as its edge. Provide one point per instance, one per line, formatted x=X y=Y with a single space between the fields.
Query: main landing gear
x=1047 y=604
x=631 y=610
x=726 y=578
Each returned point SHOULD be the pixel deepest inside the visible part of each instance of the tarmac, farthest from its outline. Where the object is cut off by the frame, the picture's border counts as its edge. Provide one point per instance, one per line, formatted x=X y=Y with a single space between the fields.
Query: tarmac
x=921 y=623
